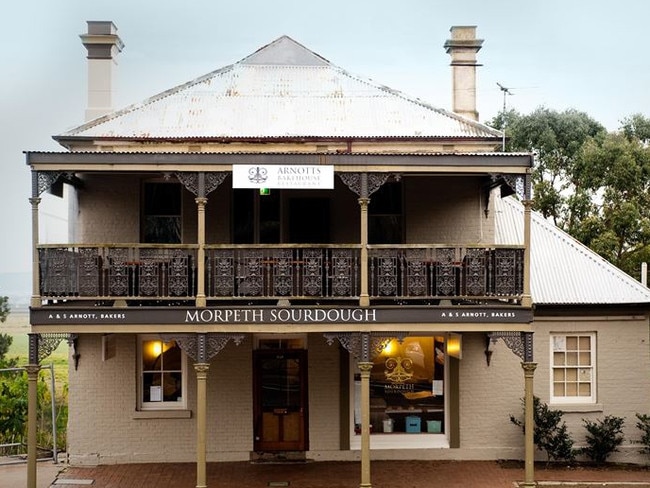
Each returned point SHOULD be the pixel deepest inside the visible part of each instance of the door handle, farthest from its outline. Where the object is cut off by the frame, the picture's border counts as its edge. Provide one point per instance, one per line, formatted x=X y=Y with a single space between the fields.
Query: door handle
x=280 y=411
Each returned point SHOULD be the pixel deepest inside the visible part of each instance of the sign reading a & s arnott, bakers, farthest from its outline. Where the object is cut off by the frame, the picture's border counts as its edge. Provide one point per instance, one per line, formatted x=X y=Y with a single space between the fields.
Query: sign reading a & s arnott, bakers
x=295 y=177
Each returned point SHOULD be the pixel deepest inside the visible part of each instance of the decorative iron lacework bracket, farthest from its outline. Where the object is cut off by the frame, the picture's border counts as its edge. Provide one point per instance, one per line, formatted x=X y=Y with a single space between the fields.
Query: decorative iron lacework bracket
x=202 y=347
x=356 y=183
x=364 y=346
x=42 y=345
x=201 y=184
x=521 y=343
x=43 y=180
x=520 y=184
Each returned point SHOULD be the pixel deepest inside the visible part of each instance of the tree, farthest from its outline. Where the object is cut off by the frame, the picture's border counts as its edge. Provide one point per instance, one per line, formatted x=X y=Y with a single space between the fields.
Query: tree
x=5 y=339
x=590 y=183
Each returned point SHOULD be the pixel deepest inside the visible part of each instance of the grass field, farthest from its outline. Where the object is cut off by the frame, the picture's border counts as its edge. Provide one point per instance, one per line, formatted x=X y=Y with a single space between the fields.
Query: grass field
x=17 y=326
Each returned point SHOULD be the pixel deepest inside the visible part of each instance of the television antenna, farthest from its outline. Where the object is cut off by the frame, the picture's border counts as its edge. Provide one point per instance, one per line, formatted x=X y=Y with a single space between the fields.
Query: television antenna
x=506 y=91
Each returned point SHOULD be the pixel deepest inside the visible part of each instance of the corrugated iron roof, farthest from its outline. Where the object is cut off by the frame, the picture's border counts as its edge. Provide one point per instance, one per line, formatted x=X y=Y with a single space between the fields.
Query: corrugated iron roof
x=281 y=90
x=563 y=270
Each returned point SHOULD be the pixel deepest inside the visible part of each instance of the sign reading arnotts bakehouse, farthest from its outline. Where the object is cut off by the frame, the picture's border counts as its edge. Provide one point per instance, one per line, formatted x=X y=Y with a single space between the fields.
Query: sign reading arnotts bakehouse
x=290 y=177
x=274 y=315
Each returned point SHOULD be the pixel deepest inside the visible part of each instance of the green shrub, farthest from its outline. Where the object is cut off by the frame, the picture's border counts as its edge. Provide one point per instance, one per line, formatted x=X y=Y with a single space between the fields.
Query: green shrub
x=643 y=425
x=550 y=433
x=603 y=438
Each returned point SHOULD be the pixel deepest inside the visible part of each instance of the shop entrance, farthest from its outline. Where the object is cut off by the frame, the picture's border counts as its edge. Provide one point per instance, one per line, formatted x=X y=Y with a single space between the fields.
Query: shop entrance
x=280 y=396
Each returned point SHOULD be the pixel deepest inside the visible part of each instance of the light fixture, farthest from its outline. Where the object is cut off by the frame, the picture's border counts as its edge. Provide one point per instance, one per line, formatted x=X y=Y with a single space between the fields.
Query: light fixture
x=455 y=345
x=488 y=349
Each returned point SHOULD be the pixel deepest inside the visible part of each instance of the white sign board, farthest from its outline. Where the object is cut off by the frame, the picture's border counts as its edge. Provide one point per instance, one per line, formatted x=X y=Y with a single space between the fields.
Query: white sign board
x=288 y=177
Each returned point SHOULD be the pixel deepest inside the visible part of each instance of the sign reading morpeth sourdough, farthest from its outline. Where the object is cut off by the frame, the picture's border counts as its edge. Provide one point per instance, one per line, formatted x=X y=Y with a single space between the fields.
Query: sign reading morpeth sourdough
x=285 y=176
x=276 y=315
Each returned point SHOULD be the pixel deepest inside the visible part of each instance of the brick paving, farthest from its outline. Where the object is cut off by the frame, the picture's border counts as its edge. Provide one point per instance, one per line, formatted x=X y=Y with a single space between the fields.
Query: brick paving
x=384 y=474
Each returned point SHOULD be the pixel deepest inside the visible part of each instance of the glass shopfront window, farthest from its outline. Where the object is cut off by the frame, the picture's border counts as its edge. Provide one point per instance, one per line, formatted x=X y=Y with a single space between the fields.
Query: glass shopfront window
x=406 y=388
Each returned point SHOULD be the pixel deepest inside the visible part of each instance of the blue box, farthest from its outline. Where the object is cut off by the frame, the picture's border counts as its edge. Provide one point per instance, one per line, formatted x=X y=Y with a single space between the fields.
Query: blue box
x=413 y=424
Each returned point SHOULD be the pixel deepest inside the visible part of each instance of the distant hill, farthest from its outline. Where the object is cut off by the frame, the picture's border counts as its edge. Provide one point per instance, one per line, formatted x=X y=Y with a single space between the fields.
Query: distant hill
x=16 y=286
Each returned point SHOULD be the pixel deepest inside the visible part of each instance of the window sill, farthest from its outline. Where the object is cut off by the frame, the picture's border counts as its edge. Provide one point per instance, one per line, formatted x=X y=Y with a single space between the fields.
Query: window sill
x=162 y=414
x=578 y=407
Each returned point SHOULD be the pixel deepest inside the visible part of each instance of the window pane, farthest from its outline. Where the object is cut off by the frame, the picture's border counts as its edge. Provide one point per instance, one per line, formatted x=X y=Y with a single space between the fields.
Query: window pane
x=151 y=351
x=171 y=357
x=585 y=389
x=162 y=199
x=558 y=375
x=558 y=358
x=172 y=387
x=571 y=389
x=161 y=219
x=572 y=358
x=571 y=375
x=162 y=230
x=558 y=389
x=585 y=343
x=151 y=387
x=571 y=343
x=584 y=358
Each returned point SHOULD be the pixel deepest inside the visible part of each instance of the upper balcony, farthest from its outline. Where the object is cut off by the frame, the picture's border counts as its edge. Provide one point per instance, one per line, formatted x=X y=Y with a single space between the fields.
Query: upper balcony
x=269 y=274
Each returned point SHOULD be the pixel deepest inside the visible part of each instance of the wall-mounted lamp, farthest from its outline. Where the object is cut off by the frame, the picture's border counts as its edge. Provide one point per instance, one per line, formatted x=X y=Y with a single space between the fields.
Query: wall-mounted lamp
x=488 y=349
x=455 y=345
x=75 y=352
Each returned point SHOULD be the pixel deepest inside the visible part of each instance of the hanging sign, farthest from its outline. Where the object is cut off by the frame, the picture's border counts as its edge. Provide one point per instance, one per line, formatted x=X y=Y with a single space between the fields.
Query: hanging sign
x=287 y=177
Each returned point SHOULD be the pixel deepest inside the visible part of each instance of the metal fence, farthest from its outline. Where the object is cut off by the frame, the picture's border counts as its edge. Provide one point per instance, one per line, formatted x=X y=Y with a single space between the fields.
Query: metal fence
x=54 y=449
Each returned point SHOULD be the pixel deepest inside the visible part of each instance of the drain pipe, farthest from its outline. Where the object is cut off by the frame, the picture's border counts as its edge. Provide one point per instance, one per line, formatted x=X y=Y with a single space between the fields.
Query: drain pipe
x=644 y=274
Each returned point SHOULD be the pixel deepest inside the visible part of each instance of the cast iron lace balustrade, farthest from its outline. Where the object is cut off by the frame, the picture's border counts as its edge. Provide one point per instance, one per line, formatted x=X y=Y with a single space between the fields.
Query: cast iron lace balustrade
x=430 y=272
x=277 y=272
x=135 y=271
x=410 y=273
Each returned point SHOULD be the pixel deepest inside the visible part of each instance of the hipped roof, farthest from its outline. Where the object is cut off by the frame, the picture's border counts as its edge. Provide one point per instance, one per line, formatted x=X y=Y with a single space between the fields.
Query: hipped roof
x=283 y=90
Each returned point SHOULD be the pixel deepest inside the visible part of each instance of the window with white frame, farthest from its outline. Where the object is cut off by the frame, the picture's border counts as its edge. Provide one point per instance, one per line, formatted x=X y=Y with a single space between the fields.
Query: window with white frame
x=573 y=368
x=162 y=374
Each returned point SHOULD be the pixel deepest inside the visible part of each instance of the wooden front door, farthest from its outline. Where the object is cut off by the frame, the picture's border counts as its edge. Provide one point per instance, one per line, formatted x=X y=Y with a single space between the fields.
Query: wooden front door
x=280 y=400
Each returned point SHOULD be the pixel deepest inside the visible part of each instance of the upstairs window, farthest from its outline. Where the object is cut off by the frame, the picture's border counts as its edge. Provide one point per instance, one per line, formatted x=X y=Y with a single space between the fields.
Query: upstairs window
x=385 y=215
x=573 y=372
x=162 y=213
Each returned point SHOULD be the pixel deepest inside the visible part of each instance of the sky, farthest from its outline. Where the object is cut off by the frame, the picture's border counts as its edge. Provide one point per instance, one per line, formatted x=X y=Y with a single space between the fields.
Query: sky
x=589 y=55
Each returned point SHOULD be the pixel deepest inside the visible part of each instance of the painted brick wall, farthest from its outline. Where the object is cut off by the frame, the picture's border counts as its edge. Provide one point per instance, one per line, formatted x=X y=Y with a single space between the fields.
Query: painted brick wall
x=490 y=394
x=102 y=402
x=449 y=212
x=622 y=365
x=107 y=209
x=324 y=391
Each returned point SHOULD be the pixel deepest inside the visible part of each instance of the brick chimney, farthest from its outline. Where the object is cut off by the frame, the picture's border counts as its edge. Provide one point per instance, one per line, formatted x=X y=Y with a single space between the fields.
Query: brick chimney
x=462 y=47
x=103 y=45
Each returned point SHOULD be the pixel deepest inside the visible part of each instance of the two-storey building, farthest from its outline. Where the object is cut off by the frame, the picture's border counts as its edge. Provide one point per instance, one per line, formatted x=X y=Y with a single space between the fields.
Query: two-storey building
x=282 y=259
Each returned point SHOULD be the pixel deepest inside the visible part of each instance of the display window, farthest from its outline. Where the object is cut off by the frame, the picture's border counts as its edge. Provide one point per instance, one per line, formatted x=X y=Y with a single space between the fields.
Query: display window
x=406 y=388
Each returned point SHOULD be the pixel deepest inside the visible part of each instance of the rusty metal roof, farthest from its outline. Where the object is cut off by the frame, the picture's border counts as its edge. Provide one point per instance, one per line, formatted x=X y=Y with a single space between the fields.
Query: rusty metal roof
x=563 y=270
x=281 y=90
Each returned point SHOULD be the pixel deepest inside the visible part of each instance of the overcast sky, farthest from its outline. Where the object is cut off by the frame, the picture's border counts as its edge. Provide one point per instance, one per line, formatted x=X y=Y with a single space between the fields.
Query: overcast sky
x=591 y=55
